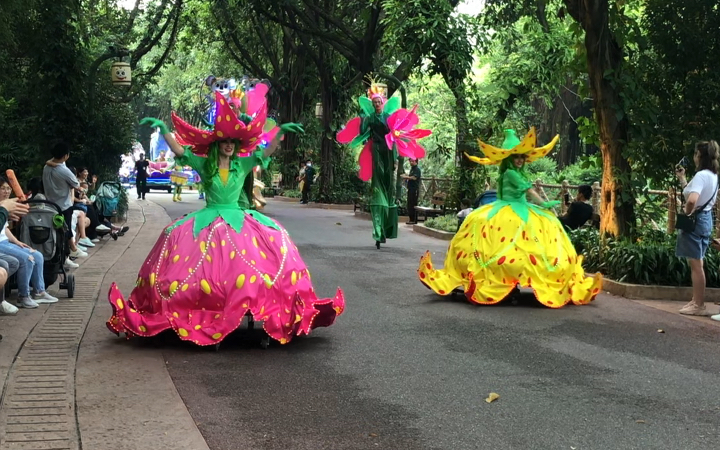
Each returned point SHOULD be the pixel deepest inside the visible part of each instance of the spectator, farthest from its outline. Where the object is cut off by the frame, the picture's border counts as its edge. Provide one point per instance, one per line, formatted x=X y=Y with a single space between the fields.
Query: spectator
x=30 y=260
x=58 y=182
x=141 y=176
x=578 y=211
x=413 y=190
x=83 y=176
x=8 y=266
x=308 y=179
x=700 y=196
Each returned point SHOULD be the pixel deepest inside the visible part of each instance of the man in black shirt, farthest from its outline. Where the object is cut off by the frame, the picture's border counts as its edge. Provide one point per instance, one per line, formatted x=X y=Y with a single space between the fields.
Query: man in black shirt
x=413 y=189
x=578 y=211
x=307 y=185
x=141 y=176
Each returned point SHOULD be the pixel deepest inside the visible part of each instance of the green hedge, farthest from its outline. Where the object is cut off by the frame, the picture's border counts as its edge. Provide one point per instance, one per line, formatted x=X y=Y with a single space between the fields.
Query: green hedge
x=443 y=223
x=649 y=260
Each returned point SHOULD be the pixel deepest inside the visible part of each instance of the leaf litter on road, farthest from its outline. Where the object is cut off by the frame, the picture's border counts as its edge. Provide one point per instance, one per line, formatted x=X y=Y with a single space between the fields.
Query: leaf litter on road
x=492 y=397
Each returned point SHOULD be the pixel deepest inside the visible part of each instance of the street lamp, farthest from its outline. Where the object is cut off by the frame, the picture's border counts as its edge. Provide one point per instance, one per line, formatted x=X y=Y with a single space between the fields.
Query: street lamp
x=318 y=110
x=120 y=74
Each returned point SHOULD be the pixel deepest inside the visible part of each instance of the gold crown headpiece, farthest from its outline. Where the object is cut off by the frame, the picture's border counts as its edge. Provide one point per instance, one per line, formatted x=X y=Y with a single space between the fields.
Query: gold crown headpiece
x=375 y=88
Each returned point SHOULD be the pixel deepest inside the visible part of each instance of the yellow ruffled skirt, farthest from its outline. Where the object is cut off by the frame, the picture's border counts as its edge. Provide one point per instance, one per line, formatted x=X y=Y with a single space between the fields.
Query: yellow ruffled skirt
x=495 y=250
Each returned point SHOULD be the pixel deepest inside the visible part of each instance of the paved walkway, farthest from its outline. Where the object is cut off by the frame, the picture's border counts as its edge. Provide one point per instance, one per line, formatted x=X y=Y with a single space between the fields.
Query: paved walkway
x=66 y=380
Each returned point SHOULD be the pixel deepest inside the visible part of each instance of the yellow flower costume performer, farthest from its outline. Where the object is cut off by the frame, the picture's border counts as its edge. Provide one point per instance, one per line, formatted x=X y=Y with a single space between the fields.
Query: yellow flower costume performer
x=512 y=242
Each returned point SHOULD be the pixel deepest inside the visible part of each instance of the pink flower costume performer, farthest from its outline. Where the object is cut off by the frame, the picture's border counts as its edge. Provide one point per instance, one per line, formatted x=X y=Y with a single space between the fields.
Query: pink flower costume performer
x=212 y=267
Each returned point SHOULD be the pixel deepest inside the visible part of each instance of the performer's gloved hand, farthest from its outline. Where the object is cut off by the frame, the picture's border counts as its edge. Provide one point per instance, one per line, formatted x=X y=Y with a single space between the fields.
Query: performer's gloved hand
x=550 y=204
x=292 y=128
x=155 y=123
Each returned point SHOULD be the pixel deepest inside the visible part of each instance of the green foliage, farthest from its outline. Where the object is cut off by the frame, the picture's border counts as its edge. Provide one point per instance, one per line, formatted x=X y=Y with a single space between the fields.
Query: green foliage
x=586 y=171
x=649 y=259
x=292 y=193
x=443 y=223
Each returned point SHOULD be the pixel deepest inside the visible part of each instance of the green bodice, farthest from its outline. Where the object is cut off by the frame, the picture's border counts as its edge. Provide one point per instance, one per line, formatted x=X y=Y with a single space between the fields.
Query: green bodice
x=226 y=200
x=514 y=195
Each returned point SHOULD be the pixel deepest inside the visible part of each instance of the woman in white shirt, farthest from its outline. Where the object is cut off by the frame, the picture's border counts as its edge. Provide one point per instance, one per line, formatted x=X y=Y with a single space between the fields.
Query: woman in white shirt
x=700 y=193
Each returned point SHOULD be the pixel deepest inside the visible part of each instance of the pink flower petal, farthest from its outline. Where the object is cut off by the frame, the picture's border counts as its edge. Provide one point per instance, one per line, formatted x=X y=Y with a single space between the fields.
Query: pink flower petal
x=417 y=133
x=365 y=161
x=350 y=131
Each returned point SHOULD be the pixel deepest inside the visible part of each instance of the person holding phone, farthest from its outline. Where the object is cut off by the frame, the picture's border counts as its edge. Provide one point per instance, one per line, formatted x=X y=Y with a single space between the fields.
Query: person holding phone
x=579 y=211
x=700 y=195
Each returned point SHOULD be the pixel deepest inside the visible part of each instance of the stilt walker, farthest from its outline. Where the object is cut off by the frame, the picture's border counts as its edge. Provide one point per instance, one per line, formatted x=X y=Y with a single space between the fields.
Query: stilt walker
x=386 y=130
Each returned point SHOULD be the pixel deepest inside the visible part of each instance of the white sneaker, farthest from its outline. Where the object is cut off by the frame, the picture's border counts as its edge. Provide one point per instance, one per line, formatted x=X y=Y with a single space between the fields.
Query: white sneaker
x=78 y=253
x=102 y=227
x=96 y=240
x=26 y=302
x=716 y=317
x=44 y=297
x=86 y=242
x=8 y=309
x=80 y=247
x=71 y=264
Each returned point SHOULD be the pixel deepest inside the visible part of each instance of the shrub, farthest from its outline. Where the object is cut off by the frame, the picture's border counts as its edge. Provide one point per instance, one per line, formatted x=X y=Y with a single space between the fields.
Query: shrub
x=443 y=223
x=292 y=193
x=649 y=260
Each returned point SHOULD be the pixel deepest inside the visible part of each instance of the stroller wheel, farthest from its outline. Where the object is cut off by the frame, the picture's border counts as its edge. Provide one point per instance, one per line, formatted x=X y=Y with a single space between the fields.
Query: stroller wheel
x=70 y=283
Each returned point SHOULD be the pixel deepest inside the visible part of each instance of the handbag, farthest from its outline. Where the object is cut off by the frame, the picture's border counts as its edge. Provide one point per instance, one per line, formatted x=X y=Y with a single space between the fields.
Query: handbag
x=688 y=222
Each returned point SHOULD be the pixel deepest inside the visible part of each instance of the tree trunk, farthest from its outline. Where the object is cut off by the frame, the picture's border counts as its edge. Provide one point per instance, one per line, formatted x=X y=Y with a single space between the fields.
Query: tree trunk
x=604 y=56
x=327 y=143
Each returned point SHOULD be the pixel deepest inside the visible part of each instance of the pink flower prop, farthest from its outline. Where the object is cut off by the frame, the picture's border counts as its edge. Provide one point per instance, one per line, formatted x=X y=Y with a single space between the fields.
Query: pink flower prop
x=365 y=161
x=350 y=131
x=402 y=134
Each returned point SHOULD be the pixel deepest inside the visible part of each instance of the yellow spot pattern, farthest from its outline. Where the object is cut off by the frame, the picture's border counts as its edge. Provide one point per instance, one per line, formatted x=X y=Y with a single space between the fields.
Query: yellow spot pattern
x=173 y=287
x=185 y=287
x=205 y=286
x=197 y=327
x=293 y=277
x=262 y=253
x=176 y=258
x=232 y=254
x=176 y=315
x=152 y=279
x=183 y=332
x=120 y=304
x=217 y=336
x=254 y=241
x=253 y=279
x=240 y=282
x=142 y=328
x=203 y=246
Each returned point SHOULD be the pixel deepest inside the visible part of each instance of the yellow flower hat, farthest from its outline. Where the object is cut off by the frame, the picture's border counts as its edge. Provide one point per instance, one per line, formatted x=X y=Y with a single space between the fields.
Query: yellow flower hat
x=513 y=146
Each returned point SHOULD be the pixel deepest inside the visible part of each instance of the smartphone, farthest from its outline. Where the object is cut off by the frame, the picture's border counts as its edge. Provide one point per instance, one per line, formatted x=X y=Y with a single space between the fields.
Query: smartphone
x=683 y=162
x=567 y=198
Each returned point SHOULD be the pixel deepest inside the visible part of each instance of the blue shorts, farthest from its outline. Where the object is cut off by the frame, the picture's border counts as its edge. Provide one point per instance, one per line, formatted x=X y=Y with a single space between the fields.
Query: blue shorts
x=694 y=245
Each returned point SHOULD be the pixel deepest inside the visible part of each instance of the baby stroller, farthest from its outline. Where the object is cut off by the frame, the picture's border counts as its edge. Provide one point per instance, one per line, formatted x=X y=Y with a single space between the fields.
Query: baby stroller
x=44 y=230
x=107 y=198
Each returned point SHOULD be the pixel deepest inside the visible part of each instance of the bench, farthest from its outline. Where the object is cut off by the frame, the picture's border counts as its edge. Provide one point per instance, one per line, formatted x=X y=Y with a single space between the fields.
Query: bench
x=437 y=208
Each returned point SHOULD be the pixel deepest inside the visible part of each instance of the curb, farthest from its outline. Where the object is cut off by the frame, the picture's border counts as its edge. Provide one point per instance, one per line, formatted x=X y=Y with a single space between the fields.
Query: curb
x=338 y=206
x=654 y=292
x=437 y=234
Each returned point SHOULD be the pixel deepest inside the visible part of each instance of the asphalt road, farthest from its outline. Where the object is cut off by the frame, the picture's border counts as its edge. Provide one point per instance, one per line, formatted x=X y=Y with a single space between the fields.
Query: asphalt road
x=406 y=369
